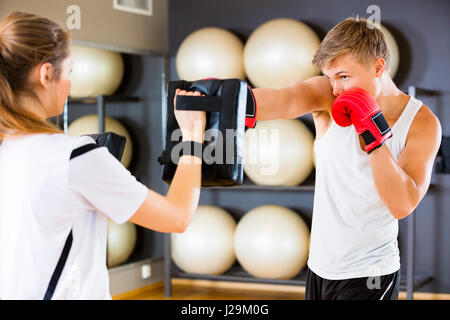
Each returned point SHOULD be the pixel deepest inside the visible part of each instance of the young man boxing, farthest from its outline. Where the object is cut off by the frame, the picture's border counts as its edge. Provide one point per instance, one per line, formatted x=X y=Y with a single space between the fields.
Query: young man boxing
x=375 y=147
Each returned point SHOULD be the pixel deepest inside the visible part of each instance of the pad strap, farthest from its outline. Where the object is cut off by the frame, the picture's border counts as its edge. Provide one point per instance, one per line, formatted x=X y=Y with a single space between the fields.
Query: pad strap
x=199 y=103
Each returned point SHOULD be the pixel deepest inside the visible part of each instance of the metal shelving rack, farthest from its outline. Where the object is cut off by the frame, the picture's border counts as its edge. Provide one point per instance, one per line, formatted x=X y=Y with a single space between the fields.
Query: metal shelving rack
x=236 y=274
x=412 y=283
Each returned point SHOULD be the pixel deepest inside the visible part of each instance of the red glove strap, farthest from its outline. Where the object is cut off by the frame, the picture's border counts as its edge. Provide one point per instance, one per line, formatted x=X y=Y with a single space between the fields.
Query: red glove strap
x=250 y=116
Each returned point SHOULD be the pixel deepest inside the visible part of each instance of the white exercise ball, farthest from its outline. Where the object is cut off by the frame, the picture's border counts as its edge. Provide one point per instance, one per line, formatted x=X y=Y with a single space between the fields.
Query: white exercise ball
x=392 y=46
x=95 y=72
x=206 y=247
x=210 y=53
x=279 y=53
x=272 y=242
x=121 y=242
x=89 y=125
x=278 y=152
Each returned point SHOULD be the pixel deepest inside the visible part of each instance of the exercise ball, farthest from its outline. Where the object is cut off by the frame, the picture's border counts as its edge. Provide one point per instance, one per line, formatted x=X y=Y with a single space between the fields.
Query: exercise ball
x=89 y=125
x=392 y=46
x=206 y=246
x=121 y=242
x=278 y=152
x=279 y=53
x=95 y=72
x=210 y=52
x=272 y=242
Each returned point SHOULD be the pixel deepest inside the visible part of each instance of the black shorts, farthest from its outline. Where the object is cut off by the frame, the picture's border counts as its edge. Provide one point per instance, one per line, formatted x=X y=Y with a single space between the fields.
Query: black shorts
x=371 y=288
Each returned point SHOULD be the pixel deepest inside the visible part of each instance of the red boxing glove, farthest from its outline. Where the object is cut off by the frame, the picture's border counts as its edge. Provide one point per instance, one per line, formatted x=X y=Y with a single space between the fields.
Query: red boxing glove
x=355 y=106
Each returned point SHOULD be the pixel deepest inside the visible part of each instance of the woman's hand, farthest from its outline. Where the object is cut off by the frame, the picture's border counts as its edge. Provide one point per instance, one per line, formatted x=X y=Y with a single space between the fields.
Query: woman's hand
x=192 y=123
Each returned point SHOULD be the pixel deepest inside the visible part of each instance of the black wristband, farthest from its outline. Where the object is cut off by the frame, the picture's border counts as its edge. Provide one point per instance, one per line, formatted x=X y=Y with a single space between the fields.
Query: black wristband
x=192 y=148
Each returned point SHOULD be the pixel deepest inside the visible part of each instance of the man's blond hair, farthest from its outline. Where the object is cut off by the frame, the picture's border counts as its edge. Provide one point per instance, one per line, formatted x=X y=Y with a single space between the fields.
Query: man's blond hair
x=358 y=37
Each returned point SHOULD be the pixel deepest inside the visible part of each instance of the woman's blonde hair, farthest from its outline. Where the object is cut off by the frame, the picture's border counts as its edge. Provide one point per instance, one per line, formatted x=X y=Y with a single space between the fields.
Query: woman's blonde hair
x=359 y=37
x=26 y=41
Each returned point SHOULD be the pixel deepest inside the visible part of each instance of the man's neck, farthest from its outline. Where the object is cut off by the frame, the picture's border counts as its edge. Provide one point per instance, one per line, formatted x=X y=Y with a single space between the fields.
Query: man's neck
x=391 y=100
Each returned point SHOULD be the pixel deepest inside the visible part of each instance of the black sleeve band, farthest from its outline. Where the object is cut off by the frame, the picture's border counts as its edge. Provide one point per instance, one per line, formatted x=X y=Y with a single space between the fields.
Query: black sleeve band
x=189 y=148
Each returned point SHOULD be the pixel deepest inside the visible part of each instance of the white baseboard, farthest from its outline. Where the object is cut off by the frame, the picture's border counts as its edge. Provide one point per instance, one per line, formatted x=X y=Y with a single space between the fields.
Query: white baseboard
x=130 y=276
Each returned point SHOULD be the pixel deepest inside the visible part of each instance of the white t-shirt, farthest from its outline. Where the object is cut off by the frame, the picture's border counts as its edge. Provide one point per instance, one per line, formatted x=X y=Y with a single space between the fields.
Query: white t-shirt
x=43 y=195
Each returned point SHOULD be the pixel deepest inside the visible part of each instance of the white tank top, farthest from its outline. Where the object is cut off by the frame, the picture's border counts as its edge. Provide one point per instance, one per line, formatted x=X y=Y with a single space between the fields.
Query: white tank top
x=353 y=233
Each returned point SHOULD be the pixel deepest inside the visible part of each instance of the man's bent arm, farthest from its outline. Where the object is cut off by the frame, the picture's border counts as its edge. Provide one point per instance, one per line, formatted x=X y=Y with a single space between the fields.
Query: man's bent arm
x=403 y=184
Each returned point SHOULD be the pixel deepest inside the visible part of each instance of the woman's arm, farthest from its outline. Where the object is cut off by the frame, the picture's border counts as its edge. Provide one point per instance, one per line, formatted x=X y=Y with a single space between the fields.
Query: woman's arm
x=174 y=212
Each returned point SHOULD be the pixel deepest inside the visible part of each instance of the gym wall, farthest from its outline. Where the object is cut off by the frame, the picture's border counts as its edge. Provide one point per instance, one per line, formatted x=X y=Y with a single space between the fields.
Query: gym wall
x=101 y=24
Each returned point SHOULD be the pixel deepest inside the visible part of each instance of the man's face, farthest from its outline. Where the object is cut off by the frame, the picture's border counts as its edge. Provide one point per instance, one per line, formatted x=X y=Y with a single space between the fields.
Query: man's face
x=347 y=72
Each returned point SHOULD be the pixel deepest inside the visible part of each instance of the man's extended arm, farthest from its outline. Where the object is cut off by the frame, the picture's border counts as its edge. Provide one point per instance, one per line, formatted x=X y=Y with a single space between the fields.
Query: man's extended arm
x=314 y=94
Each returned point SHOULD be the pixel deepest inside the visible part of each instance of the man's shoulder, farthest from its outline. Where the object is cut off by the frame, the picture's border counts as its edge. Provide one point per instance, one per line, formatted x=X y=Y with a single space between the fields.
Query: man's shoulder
x=426 y=120
x=321 y=88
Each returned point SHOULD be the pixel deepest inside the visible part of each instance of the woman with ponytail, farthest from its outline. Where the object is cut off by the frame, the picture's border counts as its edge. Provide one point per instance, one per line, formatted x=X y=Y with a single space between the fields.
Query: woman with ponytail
x=51 y=201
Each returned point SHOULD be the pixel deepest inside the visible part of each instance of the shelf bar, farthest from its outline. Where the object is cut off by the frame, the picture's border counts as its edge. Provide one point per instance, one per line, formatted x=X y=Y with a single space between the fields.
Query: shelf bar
x=413 y=91
x=164 y=100
x=66 y=118
x=261 y=188
x=101 y=114
x=251 y=187
x=410 y=257
x=167 y=249
x=301 y=281
x=93 y=100
x=421 y=283
x=167 y=266
x=410 y=238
